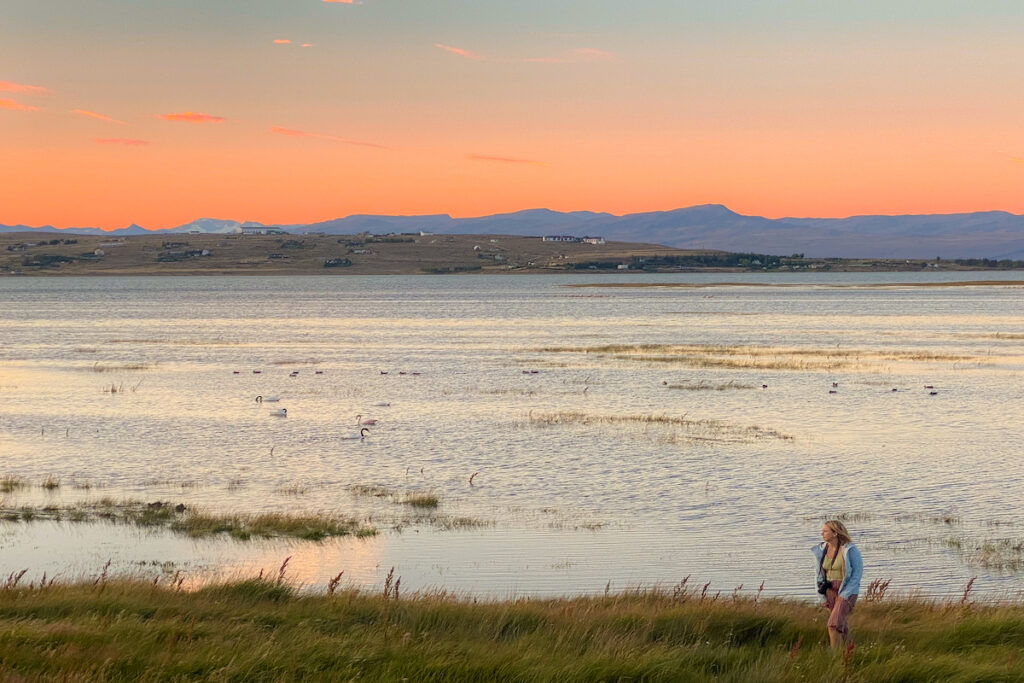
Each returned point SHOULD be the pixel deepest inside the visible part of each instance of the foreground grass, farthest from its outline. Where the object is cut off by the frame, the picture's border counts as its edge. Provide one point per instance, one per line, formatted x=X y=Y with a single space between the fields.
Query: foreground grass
x=263 y=630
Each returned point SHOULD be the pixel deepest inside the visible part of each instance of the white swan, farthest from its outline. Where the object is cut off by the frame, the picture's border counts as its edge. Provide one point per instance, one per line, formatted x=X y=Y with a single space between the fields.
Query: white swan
x=280 y=412
x=353 y=437
x=382 y=405
x=268 y=399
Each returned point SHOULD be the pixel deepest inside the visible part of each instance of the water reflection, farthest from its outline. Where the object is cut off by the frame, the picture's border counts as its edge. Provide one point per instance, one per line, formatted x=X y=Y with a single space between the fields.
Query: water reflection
x=144 y=388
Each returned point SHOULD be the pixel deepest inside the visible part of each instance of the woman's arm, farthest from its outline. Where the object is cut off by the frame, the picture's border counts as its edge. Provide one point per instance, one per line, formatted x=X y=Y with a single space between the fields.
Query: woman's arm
x=854 y=570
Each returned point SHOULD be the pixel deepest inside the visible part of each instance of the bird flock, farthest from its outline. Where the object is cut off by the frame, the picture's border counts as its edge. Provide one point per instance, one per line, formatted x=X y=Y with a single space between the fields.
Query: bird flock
x=362 y=422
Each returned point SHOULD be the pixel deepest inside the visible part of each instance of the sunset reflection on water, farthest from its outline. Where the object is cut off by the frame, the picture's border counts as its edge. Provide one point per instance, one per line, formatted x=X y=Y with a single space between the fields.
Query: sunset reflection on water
x=594 y=467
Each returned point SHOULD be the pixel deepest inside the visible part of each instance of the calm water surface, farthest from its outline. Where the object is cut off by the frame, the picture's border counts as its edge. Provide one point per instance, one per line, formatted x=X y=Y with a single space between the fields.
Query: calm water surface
x=636 y=465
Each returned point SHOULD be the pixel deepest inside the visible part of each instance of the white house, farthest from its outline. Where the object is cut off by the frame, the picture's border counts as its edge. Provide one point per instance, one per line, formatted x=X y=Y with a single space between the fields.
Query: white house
x=263 y=230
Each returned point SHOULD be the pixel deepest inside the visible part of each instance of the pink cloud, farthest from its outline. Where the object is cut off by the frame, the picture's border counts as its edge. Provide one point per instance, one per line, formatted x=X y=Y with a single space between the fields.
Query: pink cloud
x=121 y=141
x=17 y=106
x=458 y=51
x=101 y=117
x=307 y=45
x=282 y=41
x=7 y=86
x=504 y=160
x=192 y=117
x=281 y=130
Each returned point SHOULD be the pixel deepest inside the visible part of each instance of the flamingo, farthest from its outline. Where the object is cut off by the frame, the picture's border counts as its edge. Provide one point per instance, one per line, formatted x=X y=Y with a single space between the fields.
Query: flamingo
x=368 y=422
x=268 y=399
x=353 y=437
x=280 y=412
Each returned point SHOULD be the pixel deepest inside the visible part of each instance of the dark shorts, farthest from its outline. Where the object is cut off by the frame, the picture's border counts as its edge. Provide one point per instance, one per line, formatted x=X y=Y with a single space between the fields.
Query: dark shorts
x=839 y=609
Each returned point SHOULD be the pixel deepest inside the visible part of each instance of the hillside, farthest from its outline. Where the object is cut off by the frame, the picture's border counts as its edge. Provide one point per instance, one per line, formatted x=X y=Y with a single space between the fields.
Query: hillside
x=218 y=254
x=984 y=234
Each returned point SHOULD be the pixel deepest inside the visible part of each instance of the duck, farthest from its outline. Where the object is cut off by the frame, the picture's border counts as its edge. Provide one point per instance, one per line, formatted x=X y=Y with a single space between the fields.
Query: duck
x=353 y=437
x=368 y=422
x=382 y=405
x=268 y=399
x=280 y=412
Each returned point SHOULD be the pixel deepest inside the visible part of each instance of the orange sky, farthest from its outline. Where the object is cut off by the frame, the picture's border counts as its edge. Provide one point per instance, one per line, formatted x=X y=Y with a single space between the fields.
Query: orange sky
x=305 y=110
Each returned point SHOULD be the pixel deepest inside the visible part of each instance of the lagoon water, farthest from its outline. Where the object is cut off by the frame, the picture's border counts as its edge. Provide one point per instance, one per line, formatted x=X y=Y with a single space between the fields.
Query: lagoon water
x=657 y=455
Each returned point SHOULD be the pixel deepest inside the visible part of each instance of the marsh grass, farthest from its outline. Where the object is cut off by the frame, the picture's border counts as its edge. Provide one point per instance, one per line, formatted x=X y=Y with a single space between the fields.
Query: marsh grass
x=704 y=385
x=692 y=430
x=265 y=629
x=98 y=367
x=416 y=499
x=421 y=499
x=758 y=357
x=10 y=483
x=1001 y=554
x=50 y=483
x=195 y=523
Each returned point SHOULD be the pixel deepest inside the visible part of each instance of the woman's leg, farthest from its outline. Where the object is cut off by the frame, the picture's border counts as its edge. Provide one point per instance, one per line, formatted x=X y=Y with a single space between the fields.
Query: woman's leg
x=838 y=621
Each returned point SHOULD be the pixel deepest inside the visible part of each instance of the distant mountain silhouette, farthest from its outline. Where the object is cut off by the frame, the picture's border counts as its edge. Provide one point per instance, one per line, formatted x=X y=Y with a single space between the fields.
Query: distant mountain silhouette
x=986 y=234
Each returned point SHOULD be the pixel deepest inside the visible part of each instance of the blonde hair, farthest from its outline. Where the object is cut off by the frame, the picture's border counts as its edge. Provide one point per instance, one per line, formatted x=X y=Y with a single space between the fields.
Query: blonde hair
x=840 y=530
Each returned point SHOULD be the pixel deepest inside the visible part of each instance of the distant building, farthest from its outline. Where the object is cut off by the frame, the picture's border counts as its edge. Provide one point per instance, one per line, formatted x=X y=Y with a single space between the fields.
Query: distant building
x=570 y=238
x=263 y=230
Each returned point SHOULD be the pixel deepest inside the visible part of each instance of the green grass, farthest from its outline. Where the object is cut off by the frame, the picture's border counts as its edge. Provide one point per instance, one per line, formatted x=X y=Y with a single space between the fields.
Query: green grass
x=265 y=630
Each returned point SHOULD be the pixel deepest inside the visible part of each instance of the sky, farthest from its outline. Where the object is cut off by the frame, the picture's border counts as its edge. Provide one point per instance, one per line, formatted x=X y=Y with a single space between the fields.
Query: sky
x=293 y=111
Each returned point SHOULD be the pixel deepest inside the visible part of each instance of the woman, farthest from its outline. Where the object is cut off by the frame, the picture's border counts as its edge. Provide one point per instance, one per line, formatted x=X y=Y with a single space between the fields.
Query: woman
x=839 y=571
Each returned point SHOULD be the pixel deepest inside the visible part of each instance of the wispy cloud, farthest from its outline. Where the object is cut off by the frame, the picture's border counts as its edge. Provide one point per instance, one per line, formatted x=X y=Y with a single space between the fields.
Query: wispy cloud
x=282 y=41
x=344 y=2
x=17 y=106
x=281 y=130
x=7 y=86
x=458 y=51
x=130 y=142
x=307 y=45
x=505 y=160
x=94 y=115
x=192 y=117
x=576 y=56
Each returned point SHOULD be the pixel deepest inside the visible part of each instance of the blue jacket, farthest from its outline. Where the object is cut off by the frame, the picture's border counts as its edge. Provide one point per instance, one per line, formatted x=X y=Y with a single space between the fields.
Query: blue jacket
x=854 y=568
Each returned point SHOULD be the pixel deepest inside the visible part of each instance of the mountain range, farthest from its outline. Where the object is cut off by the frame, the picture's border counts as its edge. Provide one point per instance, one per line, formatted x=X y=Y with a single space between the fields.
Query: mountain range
x=985 y=234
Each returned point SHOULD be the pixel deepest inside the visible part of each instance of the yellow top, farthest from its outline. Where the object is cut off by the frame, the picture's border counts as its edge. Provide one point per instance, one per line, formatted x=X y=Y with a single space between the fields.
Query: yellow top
x=835 y=568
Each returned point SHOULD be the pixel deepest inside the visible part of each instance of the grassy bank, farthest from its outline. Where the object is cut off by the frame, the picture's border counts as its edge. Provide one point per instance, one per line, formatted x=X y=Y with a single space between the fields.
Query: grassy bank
x=263 y=630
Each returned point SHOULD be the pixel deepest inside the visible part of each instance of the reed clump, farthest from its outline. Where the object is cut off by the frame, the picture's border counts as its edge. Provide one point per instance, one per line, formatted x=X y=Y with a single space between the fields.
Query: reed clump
x=703 y=385
x=99 y=367
x=197 y=523
x=266 y=629
x=691 y=429
x=10 y=483
x=421 y=499
x=759 y=357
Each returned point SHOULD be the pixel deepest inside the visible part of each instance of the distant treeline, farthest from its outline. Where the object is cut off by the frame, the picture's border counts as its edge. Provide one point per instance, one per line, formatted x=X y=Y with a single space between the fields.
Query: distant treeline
x=986 y=263
x=770 y=262
x=714 y=260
